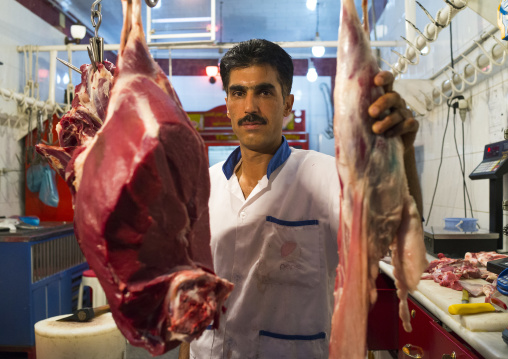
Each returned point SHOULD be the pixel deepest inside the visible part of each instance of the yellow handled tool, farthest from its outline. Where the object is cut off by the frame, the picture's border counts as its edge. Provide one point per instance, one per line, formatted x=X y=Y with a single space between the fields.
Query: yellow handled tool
x=470 y=308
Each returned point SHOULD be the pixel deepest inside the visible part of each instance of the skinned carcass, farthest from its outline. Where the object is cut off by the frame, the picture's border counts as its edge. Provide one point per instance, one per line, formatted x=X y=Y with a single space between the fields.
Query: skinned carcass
x=377 y=213
x=141 y=202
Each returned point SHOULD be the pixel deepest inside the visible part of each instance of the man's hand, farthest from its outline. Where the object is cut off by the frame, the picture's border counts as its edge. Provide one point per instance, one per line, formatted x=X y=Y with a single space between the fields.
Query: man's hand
x=399 y=120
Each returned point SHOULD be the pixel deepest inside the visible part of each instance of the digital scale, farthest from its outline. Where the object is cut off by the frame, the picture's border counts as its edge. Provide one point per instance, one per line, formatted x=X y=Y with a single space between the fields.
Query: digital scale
x=494 y=163
x=493 y=167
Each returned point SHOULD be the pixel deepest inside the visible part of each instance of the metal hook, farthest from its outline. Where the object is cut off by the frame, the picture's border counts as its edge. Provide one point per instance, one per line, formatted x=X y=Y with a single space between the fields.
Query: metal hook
x=429 y=16
x=462 y=77
x=396 y=72
x=421 y=33
x=452 y=83
x=455 y=6
x=151 y=3
x=96 y=14
x=69 y=65
x=404 y=58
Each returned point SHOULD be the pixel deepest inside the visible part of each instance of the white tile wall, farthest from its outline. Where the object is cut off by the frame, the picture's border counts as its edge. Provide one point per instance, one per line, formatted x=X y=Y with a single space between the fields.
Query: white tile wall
x=484 y=124
x=19 y=26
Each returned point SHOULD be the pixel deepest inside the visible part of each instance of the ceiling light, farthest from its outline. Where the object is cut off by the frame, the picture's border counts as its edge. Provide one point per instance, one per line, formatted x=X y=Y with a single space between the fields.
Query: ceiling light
x=311 y=5
x=318 y=50
x=212 y=72
x=78 y=32
x=312 y=74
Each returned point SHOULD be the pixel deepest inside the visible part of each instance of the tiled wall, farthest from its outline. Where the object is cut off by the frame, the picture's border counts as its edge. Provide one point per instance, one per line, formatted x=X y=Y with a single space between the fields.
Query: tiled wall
x=484 y=123
x=33 y=31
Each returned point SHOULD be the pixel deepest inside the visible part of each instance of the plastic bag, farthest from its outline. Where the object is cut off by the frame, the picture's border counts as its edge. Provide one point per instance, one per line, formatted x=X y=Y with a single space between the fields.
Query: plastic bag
x=48 y=193
x=502 y=19
x=34 y=175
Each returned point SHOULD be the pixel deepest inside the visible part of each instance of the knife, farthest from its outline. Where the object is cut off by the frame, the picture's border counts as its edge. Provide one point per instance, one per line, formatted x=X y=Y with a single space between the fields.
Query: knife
x=465 y=296
x=85 y=314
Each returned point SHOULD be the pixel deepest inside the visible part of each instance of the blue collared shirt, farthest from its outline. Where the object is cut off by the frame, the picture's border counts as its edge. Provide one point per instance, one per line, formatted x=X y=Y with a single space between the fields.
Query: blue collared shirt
x=278 y=159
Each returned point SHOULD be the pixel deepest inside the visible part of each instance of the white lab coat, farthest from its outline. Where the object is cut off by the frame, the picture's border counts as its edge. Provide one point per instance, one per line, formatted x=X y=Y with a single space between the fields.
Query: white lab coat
x=279 y=248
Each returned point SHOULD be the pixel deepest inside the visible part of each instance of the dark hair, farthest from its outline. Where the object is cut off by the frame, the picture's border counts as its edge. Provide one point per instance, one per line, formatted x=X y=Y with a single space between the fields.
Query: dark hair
x=258 y=52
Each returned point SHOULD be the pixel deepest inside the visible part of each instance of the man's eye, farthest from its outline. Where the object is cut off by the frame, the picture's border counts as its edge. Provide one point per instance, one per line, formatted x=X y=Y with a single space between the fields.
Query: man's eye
x=265 y=93
x=237 y=93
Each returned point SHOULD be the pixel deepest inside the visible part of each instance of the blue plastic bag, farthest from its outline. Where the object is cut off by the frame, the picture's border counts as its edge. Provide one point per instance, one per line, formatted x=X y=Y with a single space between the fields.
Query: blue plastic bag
x=48 y=193
x=34 y=175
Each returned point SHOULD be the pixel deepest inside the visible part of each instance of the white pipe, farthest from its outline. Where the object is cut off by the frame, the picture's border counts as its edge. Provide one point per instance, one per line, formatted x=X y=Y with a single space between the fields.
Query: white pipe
x=181 y=36
x=148 y=24
x=212 y=29
x=28 y=100
x=52 y=76
x=209 y=45
x=410 y=7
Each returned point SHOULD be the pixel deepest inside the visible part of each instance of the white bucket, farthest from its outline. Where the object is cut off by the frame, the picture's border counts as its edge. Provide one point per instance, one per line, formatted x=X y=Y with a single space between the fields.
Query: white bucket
x=97 y=339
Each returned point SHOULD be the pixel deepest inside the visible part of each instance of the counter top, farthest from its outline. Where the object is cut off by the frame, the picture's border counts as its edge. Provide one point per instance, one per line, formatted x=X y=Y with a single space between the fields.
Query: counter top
x=45 y=230
x=489 y=344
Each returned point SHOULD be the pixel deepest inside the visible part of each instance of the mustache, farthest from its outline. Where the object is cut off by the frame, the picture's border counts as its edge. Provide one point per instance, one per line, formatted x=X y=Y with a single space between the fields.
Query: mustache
x=252 y=117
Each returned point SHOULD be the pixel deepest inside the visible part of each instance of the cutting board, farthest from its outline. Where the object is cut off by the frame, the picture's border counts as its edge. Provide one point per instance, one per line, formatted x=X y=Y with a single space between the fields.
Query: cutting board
x=443 y=297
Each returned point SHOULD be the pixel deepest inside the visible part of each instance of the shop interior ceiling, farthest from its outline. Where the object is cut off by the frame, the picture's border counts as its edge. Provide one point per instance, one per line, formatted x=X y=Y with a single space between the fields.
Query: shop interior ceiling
x=287 y=21
x=236 y=20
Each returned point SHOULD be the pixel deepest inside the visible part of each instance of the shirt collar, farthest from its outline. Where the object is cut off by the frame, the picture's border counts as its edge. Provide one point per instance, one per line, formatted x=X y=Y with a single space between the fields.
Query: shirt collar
x=278 y=159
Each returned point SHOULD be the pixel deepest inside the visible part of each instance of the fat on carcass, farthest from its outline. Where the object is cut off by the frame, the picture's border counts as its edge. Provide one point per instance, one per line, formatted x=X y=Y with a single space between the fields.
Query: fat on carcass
x=141 y=199
x=377 y=212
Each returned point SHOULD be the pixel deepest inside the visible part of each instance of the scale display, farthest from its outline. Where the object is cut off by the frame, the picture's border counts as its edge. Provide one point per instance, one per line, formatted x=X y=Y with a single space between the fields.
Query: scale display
x=494 y=163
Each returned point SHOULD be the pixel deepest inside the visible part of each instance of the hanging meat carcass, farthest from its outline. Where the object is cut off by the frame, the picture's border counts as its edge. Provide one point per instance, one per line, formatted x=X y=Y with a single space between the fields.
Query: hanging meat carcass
x=141 y=198
x=377 y=212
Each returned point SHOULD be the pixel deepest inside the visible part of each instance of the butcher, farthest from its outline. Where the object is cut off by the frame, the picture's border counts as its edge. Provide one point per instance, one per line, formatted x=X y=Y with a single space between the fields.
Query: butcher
x=274 y=214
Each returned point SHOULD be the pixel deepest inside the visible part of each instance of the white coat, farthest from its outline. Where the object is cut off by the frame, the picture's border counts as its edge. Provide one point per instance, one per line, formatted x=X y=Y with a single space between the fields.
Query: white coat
x=279 y=248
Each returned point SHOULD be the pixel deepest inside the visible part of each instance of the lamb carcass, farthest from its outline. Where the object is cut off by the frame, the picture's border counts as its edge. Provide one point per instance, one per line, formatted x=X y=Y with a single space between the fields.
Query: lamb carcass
x=377 y=211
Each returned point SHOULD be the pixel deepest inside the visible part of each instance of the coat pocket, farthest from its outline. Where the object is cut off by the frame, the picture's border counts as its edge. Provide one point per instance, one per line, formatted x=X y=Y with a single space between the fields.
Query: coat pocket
x=290 y=254
x=281 y=346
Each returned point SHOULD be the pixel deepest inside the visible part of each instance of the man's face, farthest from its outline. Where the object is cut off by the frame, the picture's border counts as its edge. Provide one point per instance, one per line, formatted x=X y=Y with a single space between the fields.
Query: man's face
x=256 y=107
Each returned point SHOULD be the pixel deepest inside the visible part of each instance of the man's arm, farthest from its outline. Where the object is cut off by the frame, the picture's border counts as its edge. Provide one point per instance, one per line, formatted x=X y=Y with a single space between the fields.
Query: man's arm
x=184 y=352
x=412 y=178
x=399 y=122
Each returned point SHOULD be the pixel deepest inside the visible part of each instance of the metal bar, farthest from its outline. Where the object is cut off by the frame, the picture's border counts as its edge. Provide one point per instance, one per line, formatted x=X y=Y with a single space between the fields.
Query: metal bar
x=148 y=24
x=52 y=76
x=181 y=19
x=410 y=6
x=212 y=10
x=188 y=45
x=180 y=36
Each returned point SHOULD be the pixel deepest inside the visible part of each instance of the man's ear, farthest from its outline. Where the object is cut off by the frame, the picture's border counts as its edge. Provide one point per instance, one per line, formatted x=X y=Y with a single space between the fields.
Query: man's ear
x=227 y=107
x=288 y=105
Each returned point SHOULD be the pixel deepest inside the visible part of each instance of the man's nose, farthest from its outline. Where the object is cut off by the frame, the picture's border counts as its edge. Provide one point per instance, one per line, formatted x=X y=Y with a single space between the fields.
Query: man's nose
x=251 y=104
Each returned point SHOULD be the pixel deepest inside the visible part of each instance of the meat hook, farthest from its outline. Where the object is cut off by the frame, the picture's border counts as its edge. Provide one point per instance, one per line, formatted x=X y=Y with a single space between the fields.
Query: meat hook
x=429 y=16
x=69 y=65
x=151 y=3
x=96 y=49
x=455 y=6
x=96 y=14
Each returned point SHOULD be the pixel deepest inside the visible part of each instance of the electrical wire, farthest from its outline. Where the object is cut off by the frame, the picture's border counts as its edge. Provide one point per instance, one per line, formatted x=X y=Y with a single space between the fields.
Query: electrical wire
x=462 y=164
x=440 y=164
